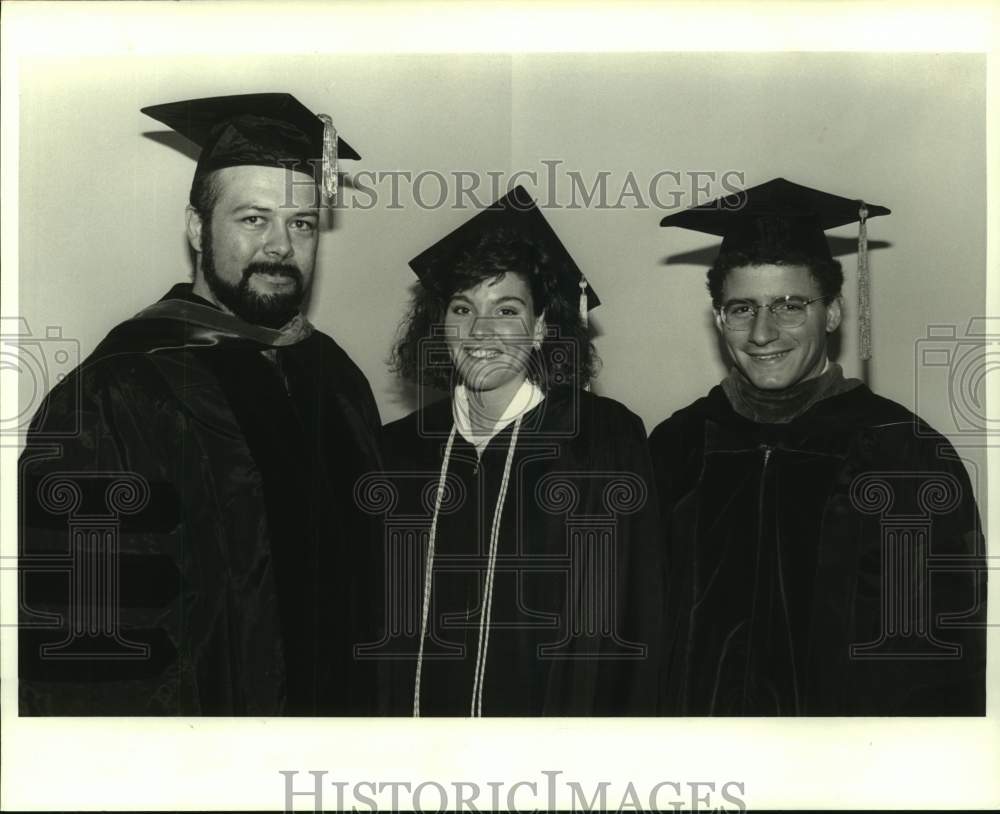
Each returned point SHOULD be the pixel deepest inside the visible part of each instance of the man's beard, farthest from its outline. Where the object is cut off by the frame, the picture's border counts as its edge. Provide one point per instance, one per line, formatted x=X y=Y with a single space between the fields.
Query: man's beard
x=267 y=310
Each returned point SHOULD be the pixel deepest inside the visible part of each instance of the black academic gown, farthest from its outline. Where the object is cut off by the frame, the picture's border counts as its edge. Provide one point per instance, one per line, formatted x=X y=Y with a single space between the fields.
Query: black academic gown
x=189 y=540
x=575 y=619
x=790 y=543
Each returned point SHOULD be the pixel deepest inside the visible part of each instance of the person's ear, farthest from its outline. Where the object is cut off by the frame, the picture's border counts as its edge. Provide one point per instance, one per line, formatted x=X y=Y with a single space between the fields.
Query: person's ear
x=718 y=320
x=194 y=227
x=834 y=314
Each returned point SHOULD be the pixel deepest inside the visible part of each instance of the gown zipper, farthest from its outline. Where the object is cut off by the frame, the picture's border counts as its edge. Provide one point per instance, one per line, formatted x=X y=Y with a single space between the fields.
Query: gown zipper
x=767 y=449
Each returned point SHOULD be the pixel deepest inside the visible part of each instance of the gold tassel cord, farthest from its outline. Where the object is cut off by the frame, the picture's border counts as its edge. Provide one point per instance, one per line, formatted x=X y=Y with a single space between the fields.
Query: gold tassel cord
x=329 y=177
x=864 y=289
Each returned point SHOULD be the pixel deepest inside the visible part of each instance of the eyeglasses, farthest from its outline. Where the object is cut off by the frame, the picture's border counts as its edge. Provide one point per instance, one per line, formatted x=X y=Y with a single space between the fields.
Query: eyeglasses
x=788 y=312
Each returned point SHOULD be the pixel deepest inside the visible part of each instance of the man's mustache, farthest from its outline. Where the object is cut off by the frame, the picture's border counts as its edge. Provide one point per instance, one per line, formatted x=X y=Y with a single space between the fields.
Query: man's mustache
x=276 y=269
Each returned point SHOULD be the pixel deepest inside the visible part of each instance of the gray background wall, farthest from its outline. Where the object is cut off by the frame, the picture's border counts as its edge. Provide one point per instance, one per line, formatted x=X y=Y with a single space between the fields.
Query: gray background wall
x=102 y=202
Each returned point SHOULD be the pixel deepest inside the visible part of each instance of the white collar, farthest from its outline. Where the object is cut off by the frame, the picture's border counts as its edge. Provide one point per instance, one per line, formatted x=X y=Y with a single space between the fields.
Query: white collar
x=528 y=396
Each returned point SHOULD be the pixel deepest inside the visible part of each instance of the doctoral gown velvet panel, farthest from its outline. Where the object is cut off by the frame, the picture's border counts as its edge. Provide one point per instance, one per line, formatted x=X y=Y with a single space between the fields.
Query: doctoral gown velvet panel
x=246 y=574
x=577 y=599
x=790 y=543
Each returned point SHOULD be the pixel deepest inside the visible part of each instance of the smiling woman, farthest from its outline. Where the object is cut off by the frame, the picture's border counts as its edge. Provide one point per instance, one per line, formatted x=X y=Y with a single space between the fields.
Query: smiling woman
x=522 y=605
x=491 y=330
x=495 y=277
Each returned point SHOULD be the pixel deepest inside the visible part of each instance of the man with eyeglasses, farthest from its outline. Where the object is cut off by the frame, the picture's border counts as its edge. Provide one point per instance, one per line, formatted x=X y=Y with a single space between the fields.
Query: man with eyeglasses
x=823 y=543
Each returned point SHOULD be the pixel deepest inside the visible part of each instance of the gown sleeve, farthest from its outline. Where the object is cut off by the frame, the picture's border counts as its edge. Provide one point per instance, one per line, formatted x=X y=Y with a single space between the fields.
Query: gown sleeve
x=97 y=520
x=630 y=686
x=675 y=451
x=920 y=614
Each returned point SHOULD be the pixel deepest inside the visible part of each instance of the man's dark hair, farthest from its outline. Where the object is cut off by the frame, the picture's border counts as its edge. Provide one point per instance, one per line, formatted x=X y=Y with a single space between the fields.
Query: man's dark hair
x=422 y=359
x=205 y=191
x=827 y=273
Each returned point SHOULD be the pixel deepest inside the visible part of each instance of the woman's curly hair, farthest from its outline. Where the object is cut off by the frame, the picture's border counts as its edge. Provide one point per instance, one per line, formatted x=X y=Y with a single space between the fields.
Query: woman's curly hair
x=566 y=358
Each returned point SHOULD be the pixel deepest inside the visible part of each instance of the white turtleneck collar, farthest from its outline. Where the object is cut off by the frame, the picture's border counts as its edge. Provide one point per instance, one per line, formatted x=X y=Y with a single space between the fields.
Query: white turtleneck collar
x=528 y=396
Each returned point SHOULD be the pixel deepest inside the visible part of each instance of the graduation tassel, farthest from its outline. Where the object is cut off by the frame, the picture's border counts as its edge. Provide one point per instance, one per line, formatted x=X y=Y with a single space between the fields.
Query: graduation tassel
x=329 y=179
x=864 y=289
x=584 y=316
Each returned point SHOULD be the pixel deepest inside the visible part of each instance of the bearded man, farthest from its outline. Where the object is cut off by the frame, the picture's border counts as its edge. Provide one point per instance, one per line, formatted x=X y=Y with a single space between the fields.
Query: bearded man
x=190 y=544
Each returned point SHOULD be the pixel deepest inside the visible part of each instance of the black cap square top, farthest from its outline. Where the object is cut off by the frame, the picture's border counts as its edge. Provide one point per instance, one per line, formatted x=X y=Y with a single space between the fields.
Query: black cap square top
x=775 y=220
x=265 y=129
x=517 y=213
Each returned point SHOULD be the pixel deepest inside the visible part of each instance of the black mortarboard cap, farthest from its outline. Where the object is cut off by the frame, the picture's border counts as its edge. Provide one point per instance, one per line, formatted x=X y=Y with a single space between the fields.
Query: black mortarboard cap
x=264 y=129
x=515 y=212
x=779 y=220
x=774 y=219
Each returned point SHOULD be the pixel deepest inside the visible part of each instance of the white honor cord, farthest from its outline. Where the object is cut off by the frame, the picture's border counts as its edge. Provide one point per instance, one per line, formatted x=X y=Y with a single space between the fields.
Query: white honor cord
x=484 y=616
x=477 y=687
x=427 y=574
